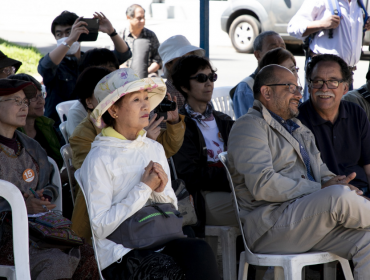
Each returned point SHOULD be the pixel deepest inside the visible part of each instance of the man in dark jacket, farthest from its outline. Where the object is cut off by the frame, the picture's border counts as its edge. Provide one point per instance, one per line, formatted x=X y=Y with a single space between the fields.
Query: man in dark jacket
x=59 y=68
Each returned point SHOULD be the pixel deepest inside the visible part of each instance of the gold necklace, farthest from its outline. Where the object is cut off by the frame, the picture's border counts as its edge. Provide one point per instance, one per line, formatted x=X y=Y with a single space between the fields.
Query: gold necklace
x=10 y=155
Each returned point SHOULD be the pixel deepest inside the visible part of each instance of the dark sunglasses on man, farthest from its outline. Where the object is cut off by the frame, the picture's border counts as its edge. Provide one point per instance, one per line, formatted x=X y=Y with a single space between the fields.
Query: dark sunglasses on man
x=202 y=78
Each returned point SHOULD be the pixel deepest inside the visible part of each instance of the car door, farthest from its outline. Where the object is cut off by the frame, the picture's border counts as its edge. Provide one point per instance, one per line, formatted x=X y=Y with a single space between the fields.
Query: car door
x=281 y=12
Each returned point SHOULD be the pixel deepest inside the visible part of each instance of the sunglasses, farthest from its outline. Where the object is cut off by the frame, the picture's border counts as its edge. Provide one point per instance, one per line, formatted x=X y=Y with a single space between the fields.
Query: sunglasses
x=202 y=78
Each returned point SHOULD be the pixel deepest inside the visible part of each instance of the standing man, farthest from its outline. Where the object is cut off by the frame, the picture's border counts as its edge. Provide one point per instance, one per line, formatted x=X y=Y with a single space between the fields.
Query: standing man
x=330 y=34
x=242 y=93
x=59 y=68
x=341 y=128
x=290 y=202
x=136 y=17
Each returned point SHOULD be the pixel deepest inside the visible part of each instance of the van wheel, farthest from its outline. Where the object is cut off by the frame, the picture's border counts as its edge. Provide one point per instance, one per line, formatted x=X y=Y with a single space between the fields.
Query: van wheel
x=243 y=31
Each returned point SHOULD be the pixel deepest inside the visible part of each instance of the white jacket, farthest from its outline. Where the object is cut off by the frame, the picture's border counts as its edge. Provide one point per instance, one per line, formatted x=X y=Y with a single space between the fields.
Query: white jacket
x=111 y=176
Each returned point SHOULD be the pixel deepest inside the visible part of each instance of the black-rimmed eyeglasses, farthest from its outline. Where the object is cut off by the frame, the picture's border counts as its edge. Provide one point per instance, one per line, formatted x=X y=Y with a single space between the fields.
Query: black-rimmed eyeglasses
x=331 y=84
x=292 y=87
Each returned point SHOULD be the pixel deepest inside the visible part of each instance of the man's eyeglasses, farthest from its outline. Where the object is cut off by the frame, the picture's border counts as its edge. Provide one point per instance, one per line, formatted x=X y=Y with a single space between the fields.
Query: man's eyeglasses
x=292 y=88
x=331 y=84
x=18 y=101
x=9 y=70
x=37 y=97
x=202 y=78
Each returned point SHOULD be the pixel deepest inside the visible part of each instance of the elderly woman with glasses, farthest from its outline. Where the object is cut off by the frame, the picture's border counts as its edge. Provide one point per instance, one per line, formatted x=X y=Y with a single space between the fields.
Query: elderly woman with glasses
x=206 y=136
x=39 y=127
x=25 y=164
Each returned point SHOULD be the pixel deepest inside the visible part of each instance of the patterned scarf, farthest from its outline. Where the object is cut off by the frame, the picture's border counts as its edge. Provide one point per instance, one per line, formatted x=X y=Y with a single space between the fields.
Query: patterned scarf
x=201 y=118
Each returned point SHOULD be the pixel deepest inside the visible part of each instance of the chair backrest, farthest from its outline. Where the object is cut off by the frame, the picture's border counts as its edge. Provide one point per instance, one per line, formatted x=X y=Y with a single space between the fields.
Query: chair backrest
x=223 y=157
x=66 y=152
x=20 y=229
x=221 y=101
x=63 y=108
x=78 y=179
x=57 y=182
x=63 y=130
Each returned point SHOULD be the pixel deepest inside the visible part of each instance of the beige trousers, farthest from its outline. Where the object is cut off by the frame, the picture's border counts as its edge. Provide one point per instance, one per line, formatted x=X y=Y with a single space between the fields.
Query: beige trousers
x=334 y=219
x=219 y=209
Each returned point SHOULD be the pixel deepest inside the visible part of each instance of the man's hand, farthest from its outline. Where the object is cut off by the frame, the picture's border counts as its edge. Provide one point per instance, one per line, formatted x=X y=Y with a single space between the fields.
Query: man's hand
x=78 y=28
x=153 y=129
x=105 y=25
x=331 y=22
x=173 y=116
x=34 y=205
x=343 y=180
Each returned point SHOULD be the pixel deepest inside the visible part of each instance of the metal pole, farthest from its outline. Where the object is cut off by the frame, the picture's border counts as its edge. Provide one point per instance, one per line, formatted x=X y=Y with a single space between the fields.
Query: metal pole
x=204 y=26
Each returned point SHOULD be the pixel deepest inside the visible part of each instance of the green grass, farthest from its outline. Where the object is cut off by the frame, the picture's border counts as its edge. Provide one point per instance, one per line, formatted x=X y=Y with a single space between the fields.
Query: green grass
x=29 y=56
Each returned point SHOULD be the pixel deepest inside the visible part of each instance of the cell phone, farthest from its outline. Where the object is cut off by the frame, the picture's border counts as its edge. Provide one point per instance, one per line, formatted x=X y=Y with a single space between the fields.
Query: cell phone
x=93 y=27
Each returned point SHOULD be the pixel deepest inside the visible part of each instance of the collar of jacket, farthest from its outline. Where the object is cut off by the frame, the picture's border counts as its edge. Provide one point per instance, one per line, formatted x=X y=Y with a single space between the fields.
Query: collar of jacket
x=302 y=130
x=97 y=129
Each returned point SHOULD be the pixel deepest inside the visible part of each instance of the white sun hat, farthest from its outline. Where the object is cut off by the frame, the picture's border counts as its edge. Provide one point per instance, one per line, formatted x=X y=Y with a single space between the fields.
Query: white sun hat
x=174 y=47
x=119 y=83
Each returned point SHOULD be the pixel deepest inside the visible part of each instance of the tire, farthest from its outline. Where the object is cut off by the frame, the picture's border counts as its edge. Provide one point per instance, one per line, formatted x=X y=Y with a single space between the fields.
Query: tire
x=243 y=31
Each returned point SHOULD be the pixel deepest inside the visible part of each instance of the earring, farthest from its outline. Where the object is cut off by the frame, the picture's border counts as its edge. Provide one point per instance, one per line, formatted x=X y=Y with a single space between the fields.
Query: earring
x=115 y=116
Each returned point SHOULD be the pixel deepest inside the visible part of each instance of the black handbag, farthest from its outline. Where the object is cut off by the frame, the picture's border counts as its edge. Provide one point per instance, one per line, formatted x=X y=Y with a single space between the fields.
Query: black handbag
x=149 y=228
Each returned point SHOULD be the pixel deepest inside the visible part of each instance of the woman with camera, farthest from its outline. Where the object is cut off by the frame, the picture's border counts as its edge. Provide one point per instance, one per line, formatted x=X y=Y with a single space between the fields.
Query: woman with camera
x=206 y=135
x=124 y=172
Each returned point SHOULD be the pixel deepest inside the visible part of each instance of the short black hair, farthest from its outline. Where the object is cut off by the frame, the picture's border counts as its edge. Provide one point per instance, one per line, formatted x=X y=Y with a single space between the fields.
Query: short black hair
x=264 y=77
x=276 y=56
x=131 y=10
x=184 y=68
x=346 y=73
x=64 y=19
x=107 y=118
x=98 y=57
x=258 y=42
x=87 y=82
x=27 y=78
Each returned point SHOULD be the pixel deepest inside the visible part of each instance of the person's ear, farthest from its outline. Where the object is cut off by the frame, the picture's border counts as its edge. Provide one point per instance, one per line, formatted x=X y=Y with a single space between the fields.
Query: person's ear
x=112 y=110
x=346 y=88
x=257 y=55
x=128 y=17
x=185 y=90
x=89 y=103
x=266 y=93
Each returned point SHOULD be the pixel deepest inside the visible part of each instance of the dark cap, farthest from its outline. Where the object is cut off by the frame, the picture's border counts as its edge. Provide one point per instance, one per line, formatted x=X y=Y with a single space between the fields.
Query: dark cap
x=8 y=87
x=6 y=61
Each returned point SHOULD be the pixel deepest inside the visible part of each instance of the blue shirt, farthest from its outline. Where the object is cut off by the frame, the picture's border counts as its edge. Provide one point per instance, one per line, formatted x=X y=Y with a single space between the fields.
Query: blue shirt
x=60 y=80
x=290 y=126
x=344 y=145
x=243 y=97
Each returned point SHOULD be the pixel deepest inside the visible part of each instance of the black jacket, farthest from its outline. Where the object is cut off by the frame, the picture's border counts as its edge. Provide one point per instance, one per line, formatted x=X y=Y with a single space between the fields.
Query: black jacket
x=192 y=167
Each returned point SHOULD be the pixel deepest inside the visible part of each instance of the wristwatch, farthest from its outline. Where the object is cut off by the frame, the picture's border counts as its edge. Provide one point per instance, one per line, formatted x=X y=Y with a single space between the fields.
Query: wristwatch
x=64 y=43
x=114 y=33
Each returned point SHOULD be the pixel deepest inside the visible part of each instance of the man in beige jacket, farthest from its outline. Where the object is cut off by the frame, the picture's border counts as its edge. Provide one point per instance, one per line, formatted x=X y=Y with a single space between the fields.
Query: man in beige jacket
x=291 y=202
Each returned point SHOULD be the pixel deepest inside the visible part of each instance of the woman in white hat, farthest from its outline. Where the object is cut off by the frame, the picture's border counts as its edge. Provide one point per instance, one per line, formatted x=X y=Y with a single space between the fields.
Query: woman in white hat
x=123 y=172
x=170 y=51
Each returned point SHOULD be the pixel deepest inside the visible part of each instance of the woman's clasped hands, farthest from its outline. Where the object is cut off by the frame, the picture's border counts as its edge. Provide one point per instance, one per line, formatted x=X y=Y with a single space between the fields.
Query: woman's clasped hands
x=155 y=177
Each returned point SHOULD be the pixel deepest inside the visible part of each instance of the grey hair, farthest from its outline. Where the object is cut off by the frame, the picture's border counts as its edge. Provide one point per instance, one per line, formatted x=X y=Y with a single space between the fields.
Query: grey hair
x=131 y=10
x=258 y=42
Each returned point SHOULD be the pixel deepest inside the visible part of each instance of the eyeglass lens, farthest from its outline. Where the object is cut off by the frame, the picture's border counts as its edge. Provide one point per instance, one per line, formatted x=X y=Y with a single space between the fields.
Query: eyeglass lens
x=331 y=84
x=202 y=78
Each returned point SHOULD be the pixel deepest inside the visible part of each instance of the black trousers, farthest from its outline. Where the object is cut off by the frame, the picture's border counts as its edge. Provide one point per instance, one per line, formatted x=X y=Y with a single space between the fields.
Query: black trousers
x=193 y=256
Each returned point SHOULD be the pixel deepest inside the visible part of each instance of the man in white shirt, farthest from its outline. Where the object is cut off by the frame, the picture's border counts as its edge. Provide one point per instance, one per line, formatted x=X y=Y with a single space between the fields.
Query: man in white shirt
x=315 y=18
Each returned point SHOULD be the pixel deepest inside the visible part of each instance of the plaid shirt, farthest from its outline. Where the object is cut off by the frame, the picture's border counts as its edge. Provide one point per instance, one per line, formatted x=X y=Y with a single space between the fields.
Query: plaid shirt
x=154 y=45
x=290 y=126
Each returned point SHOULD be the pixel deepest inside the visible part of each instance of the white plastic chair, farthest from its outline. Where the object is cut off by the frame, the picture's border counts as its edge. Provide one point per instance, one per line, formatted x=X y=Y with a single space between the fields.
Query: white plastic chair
x=77 y=177
x=57 y=182
x=288 y=267
x=63 y=108
x=66 y=153
x=63 y=130
x=21 y=270
x=228 y=237
x=222 y=102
